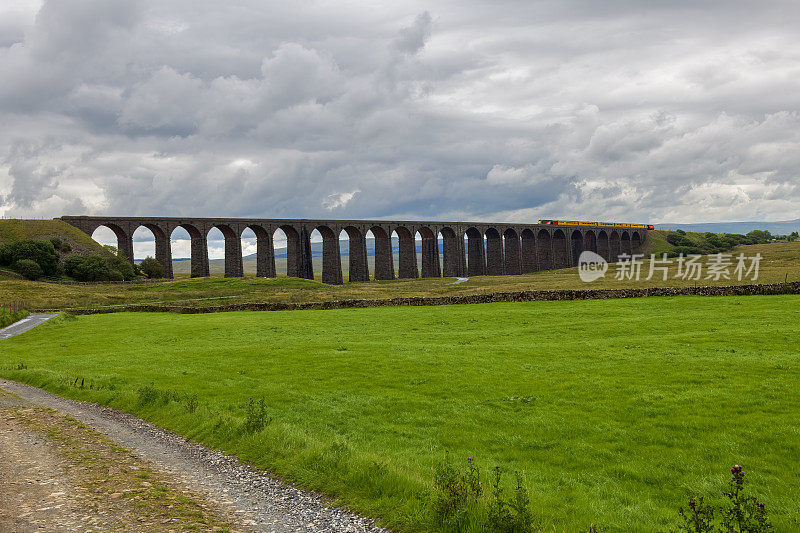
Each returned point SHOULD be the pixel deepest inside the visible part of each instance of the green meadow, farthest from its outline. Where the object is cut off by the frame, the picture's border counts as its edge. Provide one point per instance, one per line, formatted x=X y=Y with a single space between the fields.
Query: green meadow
x=615 y=411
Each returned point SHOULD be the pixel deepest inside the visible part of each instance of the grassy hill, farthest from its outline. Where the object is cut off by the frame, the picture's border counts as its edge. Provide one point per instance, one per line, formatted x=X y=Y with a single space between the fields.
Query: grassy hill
x=19 y=229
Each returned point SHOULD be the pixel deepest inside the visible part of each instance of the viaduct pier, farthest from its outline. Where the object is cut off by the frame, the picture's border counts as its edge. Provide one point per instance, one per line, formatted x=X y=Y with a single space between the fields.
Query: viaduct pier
x=490 y=248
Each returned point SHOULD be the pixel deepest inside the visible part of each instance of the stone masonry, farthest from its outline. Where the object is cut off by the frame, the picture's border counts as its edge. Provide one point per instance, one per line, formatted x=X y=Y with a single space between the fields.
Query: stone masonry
x=491 y=249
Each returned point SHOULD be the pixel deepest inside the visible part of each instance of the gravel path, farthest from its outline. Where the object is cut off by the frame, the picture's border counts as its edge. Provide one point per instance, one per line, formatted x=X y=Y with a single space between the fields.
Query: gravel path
x=59 y=475
x=264 y=503
x=23 y=325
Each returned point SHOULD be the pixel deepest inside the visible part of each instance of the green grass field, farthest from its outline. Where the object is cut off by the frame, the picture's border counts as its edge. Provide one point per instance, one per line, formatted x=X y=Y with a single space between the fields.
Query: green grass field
x=616 y=411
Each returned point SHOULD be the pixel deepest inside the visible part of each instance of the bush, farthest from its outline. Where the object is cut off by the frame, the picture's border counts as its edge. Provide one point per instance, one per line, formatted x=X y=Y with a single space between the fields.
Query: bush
x=151 y=268
x=87 y=268
x=41 y=252
x=9 y=315
x=509 y=516
x=61 y=246
x=256 y=417
x=28 y=268
x=679 y=239
x=149 y=395
x=458 y=496
x=758 y=236
x=124 y=269
x=453 y=490
x=742 y=514
x=98 y=268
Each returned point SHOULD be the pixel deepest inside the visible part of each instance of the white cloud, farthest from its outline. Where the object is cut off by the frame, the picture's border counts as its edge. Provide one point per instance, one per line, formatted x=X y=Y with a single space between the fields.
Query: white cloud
x=336 y=201
x=678 y=112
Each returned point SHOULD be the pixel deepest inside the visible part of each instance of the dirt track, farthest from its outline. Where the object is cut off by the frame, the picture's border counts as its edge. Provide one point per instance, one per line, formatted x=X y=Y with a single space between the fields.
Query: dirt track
x=77 y=466
x=59 y=475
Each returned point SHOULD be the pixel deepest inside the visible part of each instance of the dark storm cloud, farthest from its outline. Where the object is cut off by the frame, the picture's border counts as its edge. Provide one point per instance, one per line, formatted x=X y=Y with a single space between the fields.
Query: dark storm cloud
x=673 y=111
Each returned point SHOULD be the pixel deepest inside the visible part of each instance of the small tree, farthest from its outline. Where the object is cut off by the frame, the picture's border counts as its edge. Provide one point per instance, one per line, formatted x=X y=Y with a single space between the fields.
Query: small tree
x=151 y=268
x=41 y=252
x=120 y=264
x=793 y=236
x=29 y=269
x=758 y=236
x=87 y=268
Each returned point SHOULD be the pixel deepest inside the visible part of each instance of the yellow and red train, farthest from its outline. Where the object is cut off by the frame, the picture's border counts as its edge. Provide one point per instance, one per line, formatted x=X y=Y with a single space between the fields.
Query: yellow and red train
x=579 y=223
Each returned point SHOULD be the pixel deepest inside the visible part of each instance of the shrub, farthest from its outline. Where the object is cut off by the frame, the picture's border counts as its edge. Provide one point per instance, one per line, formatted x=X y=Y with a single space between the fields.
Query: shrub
x=256 y=417
x=151 y=268
x=758 y=236
x=191 y=402
x=510 y=516
x=453 y=490
x=679 y=239
x=149 y=395
x=87 y=268
x=28 y=268
x=743 y=514
x=124 y=269
x=61 y=246
x=41 y=252
x=9 y=315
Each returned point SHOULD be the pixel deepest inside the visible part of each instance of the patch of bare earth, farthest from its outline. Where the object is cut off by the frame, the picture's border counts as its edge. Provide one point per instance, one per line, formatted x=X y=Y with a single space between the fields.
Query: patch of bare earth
x=57 y=474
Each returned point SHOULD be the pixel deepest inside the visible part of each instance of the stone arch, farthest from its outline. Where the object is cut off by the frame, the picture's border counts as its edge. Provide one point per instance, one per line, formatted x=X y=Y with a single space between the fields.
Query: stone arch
x=452 y=253
x=357 y=254
x=124 y=239
x=603 y=249
x=163 y=250
x=233 y=250
x=406 y=253
x=614 y=246
x=430 y=253
x=561 y=257
x=331 y=256
x=544 y=247
x=590 y=241
x=384 y=262
x=476 y=260
x=512 y=256
x=625 y=243
x=292 y=250
x=265 y=252
x=576 y=245
x=528 y=251
x=198 y=249
x=494 y=253
x=636 y=241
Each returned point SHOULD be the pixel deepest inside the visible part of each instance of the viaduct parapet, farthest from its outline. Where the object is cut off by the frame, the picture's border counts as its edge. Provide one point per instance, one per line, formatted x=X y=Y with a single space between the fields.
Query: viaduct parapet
x=491 y=249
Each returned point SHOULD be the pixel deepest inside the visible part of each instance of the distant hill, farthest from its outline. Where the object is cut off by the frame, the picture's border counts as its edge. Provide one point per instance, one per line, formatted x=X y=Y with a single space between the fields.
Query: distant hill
x=776 y=228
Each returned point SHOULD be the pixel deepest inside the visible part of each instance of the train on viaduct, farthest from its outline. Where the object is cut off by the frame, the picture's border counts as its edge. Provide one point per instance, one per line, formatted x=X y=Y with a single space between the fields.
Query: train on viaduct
x=491 y=249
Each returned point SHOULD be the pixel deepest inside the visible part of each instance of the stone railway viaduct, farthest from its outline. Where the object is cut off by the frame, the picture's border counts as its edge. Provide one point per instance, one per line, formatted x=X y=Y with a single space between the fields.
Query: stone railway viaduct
x=492 y=249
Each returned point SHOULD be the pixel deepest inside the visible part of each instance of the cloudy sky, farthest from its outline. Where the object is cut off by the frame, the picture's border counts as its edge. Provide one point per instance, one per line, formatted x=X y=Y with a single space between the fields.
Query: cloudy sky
x=661 y=111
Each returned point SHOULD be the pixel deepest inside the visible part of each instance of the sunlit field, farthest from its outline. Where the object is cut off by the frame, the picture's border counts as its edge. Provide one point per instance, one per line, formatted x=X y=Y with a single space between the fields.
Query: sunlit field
x=616 y=411
x=780 y=262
